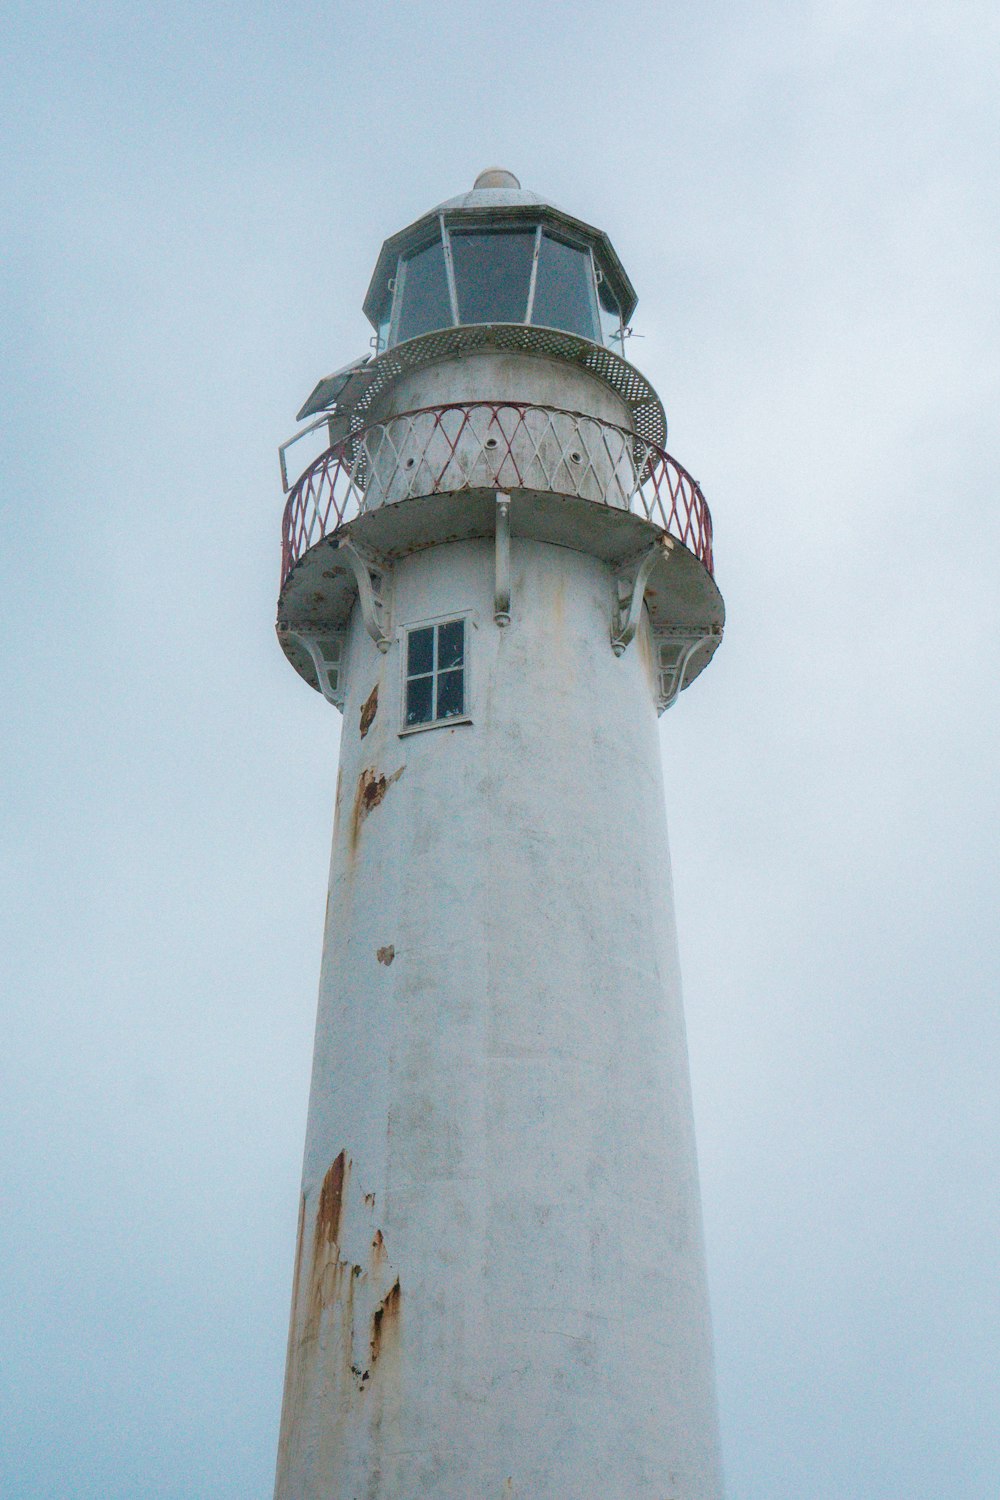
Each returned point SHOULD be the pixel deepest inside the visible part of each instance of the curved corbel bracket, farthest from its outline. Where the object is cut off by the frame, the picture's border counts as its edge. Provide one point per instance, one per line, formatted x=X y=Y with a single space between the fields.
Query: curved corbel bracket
x=672 y=677
x=501 y=592
x=326 y=650
x=374 y=612
x=631 y=588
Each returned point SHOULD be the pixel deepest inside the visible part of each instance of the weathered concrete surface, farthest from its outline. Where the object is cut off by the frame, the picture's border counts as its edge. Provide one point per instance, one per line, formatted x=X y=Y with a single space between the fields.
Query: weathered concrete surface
x=499 y=1280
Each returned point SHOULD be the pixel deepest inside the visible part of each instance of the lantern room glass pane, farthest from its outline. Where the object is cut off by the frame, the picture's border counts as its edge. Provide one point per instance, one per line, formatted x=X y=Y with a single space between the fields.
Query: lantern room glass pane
x=426 y=302
x=492 y=275
x=564 y=293
x=384 y=323
x=611 y=316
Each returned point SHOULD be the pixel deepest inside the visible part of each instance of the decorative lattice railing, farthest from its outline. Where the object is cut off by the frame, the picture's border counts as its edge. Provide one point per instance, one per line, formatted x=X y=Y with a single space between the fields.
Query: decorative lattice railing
x=501 y=445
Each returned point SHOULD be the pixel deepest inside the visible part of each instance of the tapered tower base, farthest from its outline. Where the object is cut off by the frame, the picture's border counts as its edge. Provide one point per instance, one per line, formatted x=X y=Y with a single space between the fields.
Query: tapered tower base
x=499 y=1280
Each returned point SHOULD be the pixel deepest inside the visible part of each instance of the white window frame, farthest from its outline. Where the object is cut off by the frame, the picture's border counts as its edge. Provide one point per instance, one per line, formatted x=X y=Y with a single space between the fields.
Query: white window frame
x=469 y=618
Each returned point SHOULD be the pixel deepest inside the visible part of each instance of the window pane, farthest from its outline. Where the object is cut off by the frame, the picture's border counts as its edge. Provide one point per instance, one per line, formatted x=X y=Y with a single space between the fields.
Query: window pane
x=563 y=295
x=426 y=303
x=451 y=645
x=384 y=321
x=451 y=694
x=611 y=317
x=418 y=700
x=492 y=275
x=420 y=651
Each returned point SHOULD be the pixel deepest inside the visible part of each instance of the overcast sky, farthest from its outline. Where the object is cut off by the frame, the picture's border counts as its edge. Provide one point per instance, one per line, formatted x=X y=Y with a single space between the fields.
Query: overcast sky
x=805 y=195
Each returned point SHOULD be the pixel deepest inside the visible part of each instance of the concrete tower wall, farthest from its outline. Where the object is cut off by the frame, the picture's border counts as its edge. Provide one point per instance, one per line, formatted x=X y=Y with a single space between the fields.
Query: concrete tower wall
x=604 y=470
x=499 y=1280
x=491 y=376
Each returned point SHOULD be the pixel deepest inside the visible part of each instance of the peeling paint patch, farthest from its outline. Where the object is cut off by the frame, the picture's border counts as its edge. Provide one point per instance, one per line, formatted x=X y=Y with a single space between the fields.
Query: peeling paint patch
x=368 y=711
x=371 y=790
x=331 y=1203
x=385 y=955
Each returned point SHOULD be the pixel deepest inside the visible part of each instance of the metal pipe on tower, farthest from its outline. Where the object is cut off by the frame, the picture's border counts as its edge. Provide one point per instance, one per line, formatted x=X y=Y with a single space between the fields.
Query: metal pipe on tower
x=500 y=577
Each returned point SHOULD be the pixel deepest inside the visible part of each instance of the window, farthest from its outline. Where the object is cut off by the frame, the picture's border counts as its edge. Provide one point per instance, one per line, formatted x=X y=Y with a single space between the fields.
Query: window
x=423 y=299
x=499 y=273
x=435 y=674
x=384 y=324
x=564 y=295
x=611 y=314
x=492 y=274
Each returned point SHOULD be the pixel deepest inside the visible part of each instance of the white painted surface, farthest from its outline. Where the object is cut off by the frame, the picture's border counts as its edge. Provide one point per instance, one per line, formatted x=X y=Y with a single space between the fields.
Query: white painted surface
x=511 y=1092
x=485 y=375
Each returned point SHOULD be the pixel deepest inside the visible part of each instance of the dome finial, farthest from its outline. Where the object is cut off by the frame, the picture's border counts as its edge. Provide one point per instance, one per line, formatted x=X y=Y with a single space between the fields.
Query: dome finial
x=495 y=177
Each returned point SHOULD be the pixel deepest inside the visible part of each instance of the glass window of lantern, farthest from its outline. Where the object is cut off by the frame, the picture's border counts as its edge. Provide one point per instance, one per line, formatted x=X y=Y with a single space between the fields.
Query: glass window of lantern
x=611 y=314
x=492 y=274
x=383 y=323
x=423 y=301
x=564 y=289
x=435 y=680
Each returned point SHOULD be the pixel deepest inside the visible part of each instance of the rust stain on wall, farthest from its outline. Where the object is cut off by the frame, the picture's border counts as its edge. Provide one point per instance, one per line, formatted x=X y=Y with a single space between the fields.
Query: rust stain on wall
x=385 y=1319
x=344 y=1335
x=385 y=955
x=331 y=1204
x=327 y=1270
x=368 y=711
x=371 y=790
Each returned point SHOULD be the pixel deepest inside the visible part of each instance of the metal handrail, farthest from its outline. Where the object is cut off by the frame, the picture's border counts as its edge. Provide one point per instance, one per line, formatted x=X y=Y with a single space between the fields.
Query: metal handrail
x=500 y=445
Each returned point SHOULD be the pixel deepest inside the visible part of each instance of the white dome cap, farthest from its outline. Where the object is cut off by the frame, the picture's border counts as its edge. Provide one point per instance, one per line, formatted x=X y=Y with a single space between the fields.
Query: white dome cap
x=495 y=177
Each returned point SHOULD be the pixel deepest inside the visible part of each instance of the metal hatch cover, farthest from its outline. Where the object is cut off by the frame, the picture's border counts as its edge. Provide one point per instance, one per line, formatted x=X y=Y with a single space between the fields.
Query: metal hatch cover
x=327 y=390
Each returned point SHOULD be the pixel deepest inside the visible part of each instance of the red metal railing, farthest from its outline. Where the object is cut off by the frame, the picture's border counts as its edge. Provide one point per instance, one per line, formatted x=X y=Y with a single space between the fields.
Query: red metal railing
x=493 y=445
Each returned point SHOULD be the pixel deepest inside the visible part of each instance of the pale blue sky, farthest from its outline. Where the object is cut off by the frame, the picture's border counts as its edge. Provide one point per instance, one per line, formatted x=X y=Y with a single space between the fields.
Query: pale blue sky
x=805 y=196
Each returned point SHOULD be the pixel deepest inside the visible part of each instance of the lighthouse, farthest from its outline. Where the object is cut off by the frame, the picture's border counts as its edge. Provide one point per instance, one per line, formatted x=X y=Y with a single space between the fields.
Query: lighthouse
x=497 y=574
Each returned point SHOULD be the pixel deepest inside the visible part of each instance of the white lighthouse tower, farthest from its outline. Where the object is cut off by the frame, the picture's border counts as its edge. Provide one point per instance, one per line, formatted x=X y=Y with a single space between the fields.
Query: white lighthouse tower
x=499 y=577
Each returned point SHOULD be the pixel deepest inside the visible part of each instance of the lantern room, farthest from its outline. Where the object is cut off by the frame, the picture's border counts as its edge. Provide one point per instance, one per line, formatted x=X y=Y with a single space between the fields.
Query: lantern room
x=495 y=255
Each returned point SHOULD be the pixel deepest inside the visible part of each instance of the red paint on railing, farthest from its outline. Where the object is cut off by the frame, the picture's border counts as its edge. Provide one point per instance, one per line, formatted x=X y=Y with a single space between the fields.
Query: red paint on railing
x=332 y=489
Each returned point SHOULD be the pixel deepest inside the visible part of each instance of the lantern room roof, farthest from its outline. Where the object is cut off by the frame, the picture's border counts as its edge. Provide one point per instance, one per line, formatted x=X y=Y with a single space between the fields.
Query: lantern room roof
x=503 y=205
